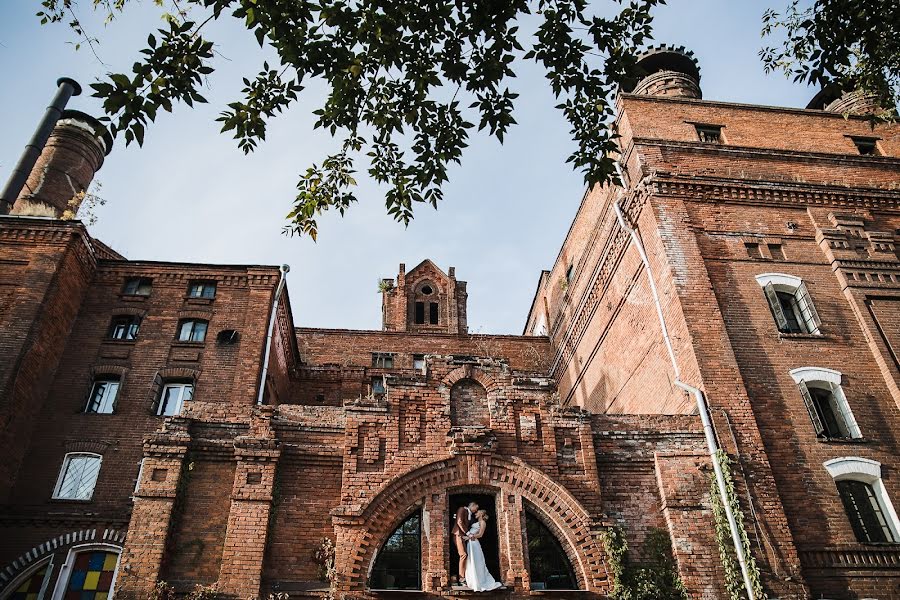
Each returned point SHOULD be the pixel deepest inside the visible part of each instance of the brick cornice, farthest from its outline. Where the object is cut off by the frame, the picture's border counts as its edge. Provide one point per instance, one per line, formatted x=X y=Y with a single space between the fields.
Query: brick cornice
x=730 y=151
x=777 y=193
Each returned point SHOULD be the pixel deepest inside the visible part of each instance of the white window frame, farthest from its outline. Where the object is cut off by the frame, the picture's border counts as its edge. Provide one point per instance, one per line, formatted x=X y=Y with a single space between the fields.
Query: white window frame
x=868 y=471
x=820 y=377
x=15 y=583
x=193 y=323
x=62 y=475
x=62 y=582
x=97 y=381
x=203 y=285
x=134 y=321
x=183 y=385
x=804 y=308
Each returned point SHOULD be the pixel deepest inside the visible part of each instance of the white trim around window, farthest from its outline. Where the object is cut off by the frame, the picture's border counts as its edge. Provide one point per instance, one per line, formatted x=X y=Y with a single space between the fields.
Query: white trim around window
x=796 y=314
x=77 y=476
x=868 y=471
x=790 y=281
x=20 y=579
x=830 y=380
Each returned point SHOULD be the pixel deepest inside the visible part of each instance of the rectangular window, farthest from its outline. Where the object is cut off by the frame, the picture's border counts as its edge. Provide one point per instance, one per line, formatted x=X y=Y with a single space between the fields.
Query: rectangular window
x=419 y=362
x=124 y=327
x=866 y=146
x=192 y=330
x=102 y=400
x=138 y=286
x=383 y=360
x=202 y=289
x=433 y=313
x=173 y=397
x=378 y=386
x=78 y=477
x=420 y=313
x=865 y=512
x=709 y=134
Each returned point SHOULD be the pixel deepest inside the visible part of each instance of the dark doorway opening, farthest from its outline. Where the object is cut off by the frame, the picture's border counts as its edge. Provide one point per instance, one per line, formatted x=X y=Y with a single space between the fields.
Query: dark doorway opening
x=489 y=542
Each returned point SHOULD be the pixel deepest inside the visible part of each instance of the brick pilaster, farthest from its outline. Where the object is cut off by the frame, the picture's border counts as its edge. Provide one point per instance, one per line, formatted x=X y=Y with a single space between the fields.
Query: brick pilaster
x=251 y=503
x=154 y=500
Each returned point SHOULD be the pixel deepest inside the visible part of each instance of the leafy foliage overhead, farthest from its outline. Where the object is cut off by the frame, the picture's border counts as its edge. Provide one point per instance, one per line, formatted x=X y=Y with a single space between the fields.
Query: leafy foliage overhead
x=407 y=81
x=848 y=44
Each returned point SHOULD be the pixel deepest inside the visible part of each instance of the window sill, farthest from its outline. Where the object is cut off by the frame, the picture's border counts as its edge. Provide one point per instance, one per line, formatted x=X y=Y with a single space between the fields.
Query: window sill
x=198 y=301
x=802 y=336
x=134 y=297
x=184 y=344
x=119 y=342
x=830 y=440
x=70 y=501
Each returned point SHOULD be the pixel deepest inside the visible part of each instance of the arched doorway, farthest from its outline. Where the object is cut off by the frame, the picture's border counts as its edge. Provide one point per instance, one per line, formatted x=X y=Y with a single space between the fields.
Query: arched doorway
x=490 y=543
x=433 y=487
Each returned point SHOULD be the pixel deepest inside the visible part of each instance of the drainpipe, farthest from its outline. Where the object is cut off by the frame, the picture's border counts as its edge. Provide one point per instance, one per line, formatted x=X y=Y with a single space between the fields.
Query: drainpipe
x=66 y=89
x=702 y=407
x=271 y=330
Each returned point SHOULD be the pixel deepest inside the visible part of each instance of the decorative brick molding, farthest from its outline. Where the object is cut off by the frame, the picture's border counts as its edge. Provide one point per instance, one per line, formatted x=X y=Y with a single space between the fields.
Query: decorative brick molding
x=362 y=530
x=41 y=551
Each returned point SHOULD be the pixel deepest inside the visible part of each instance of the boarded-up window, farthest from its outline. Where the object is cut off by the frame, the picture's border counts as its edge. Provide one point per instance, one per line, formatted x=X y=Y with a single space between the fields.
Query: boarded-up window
x=469 y=404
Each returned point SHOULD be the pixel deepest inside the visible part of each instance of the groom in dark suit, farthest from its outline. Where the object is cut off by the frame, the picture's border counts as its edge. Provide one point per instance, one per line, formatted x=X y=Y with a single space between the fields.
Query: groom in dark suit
x=465 y=516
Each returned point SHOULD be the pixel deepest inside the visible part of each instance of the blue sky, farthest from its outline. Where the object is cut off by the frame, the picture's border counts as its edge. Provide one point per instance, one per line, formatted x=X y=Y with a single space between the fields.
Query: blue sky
x=191 y=195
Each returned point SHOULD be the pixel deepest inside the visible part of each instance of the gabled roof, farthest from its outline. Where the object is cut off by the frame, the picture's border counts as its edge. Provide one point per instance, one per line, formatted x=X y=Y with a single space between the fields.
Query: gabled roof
x=427 y=263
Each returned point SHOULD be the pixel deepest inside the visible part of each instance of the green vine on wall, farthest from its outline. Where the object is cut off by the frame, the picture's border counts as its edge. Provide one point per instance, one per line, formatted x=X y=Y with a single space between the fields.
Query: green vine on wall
x=654 y=578
x=734 y=580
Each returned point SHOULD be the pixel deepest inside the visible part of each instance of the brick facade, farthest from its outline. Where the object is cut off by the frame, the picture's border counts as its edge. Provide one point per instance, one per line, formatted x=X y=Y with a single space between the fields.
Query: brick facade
x=577 y=424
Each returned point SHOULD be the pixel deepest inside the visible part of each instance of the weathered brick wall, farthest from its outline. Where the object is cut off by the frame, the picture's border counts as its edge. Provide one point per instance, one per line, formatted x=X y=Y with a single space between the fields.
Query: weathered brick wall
x=198 y=527
x=45 y=269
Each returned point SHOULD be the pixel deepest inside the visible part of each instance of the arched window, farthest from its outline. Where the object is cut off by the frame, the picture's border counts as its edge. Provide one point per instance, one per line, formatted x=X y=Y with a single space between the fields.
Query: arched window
x=426 y=307
x=469 y=404
x=865 y=499
x=89 y=573
x=825 y=401
x=30 y=586
x=398 y=564
x=790 y=303
x=548 y=566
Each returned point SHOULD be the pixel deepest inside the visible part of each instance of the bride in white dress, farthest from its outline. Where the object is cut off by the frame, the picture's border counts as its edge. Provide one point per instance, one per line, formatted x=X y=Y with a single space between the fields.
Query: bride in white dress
x=477 y=576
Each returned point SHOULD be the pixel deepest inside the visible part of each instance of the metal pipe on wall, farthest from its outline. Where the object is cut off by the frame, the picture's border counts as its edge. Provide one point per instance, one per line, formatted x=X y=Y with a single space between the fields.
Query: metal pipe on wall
x=66 y=89
x=702 y=406
x=269 y=332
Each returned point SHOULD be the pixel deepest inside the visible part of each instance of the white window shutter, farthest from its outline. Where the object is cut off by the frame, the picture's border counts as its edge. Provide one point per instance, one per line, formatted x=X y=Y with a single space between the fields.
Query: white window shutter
x=843 y=412
x=807 y=308
x=811 y=408
x=775 y=305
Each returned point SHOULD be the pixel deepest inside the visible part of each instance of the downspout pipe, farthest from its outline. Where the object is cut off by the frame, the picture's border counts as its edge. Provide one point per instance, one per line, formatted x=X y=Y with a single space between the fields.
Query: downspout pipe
x=66 y=88
x=272 y=317
x=702 y=406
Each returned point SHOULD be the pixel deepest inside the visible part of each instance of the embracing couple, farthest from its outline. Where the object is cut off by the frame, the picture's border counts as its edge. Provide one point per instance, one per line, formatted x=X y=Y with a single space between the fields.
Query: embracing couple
x=468 y=527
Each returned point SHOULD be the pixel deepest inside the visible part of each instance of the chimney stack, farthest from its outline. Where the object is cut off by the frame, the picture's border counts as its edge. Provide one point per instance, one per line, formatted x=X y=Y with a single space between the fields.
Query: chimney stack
x=59 y=161
x=667 y=71
x=72 y=155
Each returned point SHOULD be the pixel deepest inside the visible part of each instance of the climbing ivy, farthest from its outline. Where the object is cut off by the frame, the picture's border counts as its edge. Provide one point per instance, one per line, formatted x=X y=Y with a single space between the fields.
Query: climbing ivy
x=734 y=582
x=655 y=577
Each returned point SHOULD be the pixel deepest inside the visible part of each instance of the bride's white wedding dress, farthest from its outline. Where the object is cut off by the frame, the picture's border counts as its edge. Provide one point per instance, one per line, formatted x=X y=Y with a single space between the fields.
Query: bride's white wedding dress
x=478 y=578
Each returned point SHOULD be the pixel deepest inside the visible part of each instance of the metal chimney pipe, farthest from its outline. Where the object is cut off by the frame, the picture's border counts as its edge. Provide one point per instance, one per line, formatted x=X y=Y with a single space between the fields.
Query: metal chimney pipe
x=67 y=88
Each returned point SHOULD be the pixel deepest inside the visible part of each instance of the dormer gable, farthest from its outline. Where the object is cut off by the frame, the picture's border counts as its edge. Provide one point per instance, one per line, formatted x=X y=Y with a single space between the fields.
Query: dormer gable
x=424 y=300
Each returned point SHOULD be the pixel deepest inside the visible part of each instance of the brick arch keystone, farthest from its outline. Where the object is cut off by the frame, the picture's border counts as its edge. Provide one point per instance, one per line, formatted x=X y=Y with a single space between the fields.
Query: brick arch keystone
x=555 y=505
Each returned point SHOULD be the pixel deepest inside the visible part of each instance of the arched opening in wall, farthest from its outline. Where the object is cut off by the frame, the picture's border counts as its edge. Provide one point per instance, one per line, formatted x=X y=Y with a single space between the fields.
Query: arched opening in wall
x=398 y=564
x=89 y=573
x=548 y=566
x=30 y=586
x=469 y=404
x=489 y=542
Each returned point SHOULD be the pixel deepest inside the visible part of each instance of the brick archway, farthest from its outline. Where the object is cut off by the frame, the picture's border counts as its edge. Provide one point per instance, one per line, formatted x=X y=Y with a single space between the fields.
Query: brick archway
x=365 y=532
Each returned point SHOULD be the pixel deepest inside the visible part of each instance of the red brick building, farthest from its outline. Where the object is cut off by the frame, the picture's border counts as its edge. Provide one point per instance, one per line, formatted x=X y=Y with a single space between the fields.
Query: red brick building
x=168 y=421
